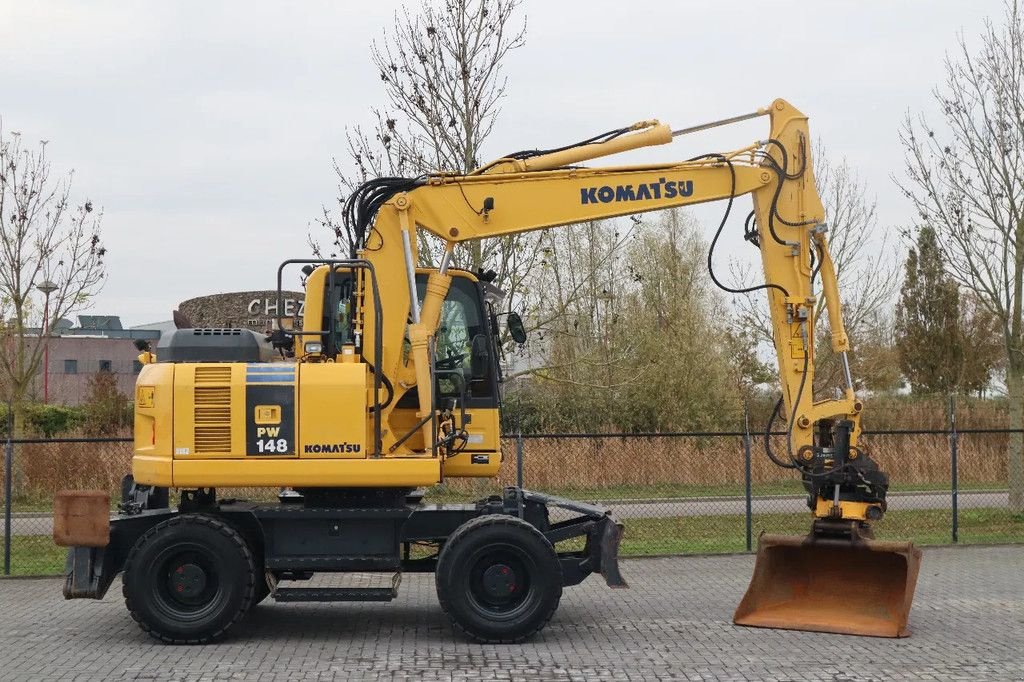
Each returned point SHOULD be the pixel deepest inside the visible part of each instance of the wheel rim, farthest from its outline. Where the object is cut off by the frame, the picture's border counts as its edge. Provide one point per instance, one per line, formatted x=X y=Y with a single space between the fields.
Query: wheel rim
x=186 y=582
x=499 y=583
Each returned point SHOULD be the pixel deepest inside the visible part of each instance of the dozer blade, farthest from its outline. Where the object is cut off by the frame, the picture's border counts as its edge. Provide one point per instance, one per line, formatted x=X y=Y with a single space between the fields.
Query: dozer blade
x=851 y=587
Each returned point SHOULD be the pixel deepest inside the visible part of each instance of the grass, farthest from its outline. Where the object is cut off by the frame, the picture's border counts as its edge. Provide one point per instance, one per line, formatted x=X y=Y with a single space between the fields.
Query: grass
x=37 y=555
x=726 y=533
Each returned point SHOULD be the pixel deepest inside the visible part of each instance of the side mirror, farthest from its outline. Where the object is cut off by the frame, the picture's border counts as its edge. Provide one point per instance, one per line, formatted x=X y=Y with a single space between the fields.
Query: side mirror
x=479 y=357
x=516 y=328
x=142 y=345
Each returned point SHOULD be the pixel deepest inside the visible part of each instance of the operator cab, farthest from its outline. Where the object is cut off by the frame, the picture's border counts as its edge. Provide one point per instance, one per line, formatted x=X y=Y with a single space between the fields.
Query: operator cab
x=343 y=305
x=466 y=346
x=466 y=349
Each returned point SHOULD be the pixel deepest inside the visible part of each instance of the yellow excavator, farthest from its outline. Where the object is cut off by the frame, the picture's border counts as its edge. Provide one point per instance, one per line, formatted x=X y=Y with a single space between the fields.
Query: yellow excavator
x=389 y=383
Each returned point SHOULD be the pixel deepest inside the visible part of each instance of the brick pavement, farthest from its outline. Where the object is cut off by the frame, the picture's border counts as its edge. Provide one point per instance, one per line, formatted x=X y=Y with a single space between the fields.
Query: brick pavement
x=968 y=624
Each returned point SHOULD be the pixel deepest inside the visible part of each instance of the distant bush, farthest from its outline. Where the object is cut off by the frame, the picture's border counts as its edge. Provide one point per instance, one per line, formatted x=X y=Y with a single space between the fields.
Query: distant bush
x=107 y=411
x=52 y=420
x=45 y=421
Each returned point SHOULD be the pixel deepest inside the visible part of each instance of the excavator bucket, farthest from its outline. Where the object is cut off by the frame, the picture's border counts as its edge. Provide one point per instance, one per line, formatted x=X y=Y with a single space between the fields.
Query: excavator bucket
x=853 y=587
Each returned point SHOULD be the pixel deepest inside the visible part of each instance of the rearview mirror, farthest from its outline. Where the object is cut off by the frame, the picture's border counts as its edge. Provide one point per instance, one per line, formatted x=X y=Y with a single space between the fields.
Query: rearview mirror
x=515 y=328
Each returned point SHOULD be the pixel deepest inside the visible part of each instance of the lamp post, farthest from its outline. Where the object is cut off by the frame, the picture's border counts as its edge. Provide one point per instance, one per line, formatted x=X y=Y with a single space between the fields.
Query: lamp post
x=47 y=287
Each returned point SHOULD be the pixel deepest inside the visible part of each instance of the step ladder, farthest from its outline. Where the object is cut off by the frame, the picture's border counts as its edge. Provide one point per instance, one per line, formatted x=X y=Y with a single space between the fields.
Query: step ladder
x=337 y=594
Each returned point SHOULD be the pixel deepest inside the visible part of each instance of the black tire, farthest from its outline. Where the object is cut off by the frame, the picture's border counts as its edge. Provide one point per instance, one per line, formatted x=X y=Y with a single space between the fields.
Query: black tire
x=498 y=579
x=189 y=579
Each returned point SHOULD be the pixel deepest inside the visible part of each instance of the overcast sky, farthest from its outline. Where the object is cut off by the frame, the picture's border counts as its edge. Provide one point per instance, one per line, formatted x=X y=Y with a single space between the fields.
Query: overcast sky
x=206 y=130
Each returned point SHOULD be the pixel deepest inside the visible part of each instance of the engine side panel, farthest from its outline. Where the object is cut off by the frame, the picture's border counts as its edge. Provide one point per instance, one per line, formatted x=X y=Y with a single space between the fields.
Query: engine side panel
x=333 y=422
x=262 y=424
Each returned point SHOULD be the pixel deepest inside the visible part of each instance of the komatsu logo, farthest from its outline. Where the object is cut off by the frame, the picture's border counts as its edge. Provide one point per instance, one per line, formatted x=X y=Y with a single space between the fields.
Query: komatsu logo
x=645 y=191
x=332 y=448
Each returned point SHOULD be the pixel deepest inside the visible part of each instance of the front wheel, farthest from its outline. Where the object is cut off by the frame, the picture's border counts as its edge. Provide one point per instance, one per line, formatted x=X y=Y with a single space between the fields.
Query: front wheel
x=188 y=579
x=498 y=579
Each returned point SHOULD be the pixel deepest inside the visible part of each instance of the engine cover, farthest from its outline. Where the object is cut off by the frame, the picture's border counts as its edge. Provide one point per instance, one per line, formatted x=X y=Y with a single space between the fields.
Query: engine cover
x=213 y=345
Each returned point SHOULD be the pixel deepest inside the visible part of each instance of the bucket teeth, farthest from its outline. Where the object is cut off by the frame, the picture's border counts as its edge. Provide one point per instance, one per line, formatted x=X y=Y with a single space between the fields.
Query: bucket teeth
x=844 y=586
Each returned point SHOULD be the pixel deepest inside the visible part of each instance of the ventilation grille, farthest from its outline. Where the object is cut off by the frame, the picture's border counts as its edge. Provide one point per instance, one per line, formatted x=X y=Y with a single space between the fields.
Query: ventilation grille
x=212 y=401
x=213 y=375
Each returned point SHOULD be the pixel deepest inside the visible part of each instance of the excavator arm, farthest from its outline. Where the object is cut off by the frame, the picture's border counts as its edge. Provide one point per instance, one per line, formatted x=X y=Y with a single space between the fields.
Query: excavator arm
x=515 y=195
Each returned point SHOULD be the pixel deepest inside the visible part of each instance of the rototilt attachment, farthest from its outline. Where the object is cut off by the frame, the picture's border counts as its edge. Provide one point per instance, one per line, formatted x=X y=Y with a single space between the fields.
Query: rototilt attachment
x=847 y=586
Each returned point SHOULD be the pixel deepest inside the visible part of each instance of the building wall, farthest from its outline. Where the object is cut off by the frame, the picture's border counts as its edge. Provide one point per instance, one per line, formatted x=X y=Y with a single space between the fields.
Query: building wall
x=87 y=352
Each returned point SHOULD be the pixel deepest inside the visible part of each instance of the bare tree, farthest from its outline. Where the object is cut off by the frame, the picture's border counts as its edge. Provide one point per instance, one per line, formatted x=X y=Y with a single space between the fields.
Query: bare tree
x=570 y=301
x=860 y=247
x=630 y=324
x=442 y=69
x=967 y=182
x=44 y=238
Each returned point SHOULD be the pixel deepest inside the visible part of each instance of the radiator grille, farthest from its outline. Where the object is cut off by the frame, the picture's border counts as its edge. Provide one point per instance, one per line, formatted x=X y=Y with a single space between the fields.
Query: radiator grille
x=212 y=419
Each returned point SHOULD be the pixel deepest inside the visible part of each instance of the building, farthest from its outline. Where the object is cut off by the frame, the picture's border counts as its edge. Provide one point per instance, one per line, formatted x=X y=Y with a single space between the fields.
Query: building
x=98 y=344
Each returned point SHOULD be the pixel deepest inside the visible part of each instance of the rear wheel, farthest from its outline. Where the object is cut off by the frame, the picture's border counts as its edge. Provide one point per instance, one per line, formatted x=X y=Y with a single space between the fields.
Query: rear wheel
x=498 y=579
x=189 y=579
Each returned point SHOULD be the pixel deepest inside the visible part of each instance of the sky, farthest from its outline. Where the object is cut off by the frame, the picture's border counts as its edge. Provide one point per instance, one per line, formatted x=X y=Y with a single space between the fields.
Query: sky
x=206 y=130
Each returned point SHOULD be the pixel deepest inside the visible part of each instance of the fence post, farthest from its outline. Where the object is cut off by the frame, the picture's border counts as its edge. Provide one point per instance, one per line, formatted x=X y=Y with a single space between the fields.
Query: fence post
x=8 y=475
x=519 y=470
x=747 y=477
x=954 y=443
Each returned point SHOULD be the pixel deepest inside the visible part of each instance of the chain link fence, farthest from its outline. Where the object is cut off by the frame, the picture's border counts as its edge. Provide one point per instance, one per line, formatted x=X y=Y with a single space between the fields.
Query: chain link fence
x=690 y=493
x=677 y=493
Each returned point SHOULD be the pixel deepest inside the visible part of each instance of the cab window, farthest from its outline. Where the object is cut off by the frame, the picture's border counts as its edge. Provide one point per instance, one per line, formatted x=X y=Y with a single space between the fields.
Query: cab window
x=462 y=320
x=340 y=306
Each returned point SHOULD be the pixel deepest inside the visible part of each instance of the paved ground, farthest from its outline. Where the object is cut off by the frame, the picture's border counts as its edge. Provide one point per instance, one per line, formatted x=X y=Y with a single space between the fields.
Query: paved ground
x=674 y=623
x=42 y=524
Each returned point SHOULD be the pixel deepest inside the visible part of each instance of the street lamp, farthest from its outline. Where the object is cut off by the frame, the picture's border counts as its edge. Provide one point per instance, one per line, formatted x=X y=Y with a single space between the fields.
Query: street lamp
x=47 y=287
